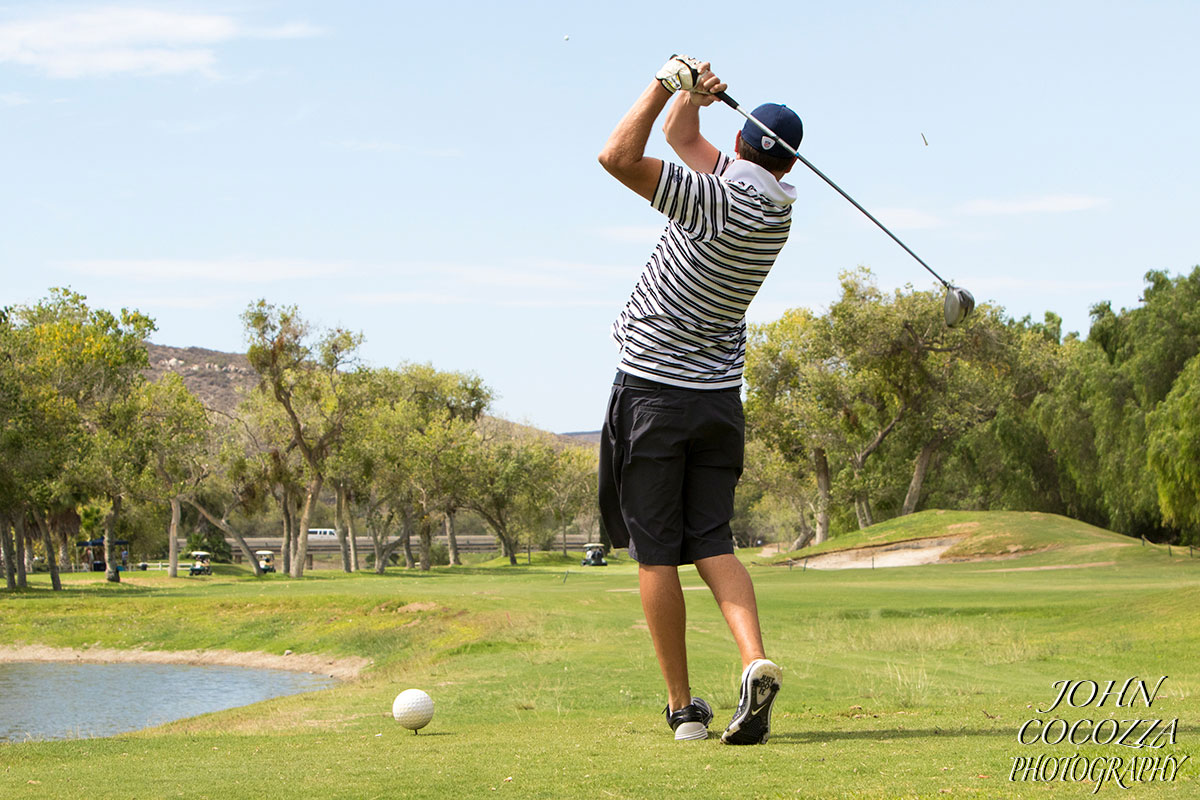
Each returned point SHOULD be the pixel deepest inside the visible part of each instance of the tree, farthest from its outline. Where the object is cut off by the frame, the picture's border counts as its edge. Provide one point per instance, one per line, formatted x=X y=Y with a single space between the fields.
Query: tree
x=405 y=453
x=72 y=369
x=509 y=476
x=572 y=488
x=312 y=387
x=1174 y=451
x=1095 y=418
x=180 y=433
x=860 y=401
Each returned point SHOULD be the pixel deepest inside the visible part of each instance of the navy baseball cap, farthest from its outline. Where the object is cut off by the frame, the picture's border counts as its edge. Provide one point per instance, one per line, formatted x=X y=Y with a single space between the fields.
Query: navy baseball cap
x=780 y=119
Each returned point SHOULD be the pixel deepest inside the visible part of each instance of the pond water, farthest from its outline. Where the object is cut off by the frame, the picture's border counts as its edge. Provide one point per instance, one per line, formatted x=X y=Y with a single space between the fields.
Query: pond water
x=50 y=700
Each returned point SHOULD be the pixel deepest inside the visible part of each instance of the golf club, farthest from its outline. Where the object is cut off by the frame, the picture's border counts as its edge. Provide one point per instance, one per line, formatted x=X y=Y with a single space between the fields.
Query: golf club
x=959 y=302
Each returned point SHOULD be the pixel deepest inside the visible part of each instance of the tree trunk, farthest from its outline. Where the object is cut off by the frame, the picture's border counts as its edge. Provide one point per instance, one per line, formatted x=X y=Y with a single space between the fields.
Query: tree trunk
x=425 y=540
x=285 y=508
x=380 y=559
x=64 y=529
x=48 y=542
x=339 y=523
x=311 y=496
x=224 y=527
x=21 y=554
x=385 y=552
x=920 y=467
x=806 y=533
x=406 y=542
x=350 y=532
x=6 y=550
x=862 y=508
x=377 y=545
x=507 y=547
x=173 y=539
x=111 y=573
x=451 y=539
x=564 y=537
x=821 y=466
x=294 y=521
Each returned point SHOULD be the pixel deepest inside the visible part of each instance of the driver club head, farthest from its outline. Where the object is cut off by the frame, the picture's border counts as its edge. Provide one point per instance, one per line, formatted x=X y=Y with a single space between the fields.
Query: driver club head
x=959 y=304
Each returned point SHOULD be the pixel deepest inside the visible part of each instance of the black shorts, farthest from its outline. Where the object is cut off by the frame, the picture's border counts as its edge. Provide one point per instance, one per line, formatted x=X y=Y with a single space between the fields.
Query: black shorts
x=669 y=461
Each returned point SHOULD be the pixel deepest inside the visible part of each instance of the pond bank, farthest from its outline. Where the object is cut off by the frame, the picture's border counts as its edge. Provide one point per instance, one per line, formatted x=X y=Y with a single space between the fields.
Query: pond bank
x=317 y=664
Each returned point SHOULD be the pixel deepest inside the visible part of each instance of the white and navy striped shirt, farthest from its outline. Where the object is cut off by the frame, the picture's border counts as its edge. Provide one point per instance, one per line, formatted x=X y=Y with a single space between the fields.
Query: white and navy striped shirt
x=685 y=323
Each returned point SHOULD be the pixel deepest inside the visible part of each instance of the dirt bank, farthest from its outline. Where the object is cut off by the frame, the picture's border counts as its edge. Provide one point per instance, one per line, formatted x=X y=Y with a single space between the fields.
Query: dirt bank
x=909 y=553
x=343 y=668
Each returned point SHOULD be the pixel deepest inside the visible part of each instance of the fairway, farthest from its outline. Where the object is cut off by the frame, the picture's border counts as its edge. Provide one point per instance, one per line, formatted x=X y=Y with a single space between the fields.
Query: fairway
x=910 y=682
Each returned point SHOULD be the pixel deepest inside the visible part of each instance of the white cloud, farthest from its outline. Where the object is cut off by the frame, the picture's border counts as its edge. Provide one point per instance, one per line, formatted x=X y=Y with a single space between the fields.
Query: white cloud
x=13 y=99
x=292 y=30
x=232 y=270
x=116 y=40
x=1048 y=204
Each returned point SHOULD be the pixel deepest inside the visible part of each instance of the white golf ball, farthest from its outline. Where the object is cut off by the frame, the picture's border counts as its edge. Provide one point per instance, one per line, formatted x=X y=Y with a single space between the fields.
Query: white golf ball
x=567 y=38
x=413 y=709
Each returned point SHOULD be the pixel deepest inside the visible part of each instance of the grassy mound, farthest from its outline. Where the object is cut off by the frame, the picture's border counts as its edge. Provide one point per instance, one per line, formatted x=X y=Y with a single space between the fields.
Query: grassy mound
x=992 y=534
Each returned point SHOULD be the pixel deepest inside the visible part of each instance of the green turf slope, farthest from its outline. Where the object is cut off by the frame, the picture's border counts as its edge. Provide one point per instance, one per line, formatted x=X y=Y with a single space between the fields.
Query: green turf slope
x=989 y=535
x=910 y=682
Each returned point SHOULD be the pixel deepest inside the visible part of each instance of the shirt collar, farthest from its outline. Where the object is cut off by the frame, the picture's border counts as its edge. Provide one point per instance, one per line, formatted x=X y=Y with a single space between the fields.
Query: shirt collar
x=747 y=172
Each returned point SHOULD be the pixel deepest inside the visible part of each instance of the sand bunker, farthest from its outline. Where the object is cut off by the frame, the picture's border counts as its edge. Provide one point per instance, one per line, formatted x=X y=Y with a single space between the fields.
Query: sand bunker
x=909 y=553
x=343 y=668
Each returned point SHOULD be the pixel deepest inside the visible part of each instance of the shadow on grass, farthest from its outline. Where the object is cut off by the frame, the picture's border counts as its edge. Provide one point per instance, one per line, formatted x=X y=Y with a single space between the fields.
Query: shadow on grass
x=820 y=737
x=73 y=590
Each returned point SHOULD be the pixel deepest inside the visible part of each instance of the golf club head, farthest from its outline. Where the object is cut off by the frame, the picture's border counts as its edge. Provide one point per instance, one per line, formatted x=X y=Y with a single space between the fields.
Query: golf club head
x=959 y=304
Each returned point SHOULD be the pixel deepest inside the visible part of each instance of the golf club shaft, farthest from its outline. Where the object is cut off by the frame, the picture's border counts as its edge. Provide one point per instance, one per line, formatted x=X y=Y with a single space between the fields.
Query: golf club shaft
x=729 y=101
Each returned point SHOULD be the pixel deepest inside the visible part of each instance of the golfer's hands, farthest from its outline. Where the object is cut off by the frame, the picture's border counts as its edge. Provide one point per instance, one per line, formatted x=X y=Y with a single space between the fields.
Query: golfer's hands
x=680 y=72
x=692 y=76
x=707 y=87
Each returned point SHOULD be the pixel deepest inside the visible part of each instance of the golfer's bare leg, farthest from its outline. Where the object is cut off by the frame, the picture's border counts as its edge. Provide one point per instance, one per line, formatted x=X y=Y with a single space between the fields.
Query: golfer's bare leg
x=731 y=586
x=666 y=616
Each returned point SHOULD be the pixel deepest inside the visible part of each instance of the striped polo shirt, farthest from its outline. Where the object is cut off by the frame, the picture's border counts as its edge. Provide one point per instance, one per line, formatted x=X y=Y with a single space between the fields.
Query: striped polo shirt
x=685 y=323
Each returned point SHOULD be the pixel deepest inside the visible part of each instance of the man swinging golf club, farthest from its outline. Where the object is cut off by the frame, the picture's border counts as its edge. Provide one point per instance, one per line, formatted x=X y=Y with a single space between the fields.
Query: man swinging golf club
x=672 y=446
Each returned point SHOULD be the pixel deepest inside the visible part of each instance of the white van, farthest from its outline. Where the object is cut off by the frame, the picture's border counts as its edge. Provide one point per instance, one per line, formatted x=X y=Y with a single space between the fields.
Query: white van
x=322 y=534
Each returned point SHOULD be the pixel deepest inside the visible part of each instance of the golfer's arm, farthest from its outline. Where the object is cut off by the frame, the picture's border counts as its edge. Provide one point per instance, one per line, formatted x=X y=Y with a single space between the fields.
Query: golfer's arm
x=682 y=129
x=624 y=154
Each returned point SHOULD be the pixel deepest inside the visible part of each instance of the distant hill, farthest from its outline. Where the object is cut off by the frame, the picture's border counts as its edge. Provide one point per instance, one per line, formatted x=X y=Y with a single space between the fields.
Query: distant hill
x=215 y=377
x=219 y=378
x=582 y=437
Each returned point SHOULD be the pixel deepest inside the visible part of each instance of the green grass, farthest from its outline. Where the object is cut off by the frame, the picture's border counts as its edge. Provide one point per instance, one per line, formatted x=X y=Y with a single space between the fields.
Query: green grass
x=898 y=683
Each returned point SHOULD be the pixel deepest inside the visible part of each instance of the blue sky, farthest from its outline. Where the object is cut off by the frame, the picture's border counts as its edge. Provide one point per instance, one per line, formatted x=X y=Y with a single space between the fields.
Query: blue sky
x=426 y=173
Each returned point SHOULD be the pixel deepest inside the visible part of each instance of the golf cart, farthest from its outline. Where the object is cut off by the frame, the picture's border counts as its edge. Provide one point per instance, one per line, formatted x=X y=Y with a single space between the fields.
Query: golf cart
x=593 y=556
x=266 y=560
x=200 y=563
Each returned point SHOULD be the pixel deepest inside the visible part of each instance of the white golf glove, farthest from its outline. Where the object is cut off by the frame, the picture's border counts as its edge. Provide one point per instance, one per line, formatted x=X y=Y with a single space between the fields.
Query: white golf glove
x=680 y=72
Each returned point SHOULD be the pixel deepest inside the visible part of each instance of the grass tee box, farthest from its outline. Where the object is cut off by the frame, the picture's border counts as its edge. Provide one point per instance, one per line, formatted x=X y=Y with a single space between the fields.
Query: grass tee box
x=915 y=682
